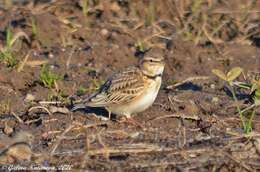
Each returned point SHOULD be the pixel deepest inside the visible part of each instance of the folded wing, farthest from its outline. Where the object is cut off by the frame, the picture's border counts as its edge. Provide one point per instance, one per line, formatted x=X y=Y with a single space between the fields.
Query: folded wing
x=121 y=88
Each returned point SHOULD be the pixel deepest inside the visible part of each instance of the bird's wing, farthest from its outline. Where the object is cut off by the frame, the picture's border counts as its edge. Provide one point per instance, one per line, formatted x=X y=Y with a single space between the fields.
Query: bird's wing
x=119 y=89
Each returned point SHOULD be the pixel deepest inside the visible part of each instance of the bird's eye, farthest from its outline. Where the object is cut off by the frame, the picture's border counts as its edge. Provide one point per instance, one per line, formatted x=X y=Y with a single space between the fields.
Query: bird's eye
x=151 y=60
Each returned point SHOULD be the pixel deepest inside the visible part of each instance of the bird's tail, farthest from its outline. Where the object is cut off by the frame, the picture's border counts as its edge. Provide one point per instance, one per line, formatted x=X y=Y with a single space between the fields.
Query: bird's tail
x=78 y=106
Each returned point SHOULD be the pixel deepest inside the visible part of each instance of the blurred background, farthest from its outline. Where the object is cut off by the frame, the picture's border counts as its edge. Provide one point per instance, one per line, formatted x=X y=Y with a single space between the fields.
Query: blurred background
x=55 y=51
x=203 y=22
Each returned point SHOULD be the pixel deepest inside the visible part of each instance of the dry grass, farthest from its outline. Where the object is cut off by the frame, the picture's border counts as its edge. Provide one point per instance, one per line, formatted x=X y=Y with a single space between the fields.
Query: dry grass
x=206 y=21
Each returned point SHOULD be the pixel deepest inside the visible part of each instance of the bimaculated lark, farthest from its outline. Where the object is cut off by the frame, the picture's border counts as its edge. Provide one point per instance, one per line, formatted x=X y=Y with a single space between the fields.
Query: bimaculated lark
x=129 y=91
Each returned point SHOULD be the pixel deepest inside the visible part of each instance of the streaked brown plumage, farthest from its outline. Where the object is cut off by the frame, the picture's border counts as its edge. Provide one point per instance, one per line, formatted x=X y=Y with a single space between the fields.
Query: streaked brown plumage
x=129 y=91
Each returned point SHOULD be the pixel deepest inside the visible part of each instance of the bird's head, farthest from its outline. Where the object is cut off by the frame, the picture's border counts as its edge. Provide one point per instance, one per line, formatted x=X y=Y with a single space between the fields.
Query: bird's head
x=152 y=66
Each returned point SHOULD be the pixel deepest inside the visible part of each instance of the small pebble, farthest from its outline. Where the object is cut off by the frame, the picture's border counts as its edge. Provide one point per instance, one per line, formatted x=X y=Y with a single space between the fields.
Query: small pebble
x=104 y=32
x=8 y=130
x=29 y=98
x=51 y=56
x=213 y=86
x=215 y=100
x=35 y=54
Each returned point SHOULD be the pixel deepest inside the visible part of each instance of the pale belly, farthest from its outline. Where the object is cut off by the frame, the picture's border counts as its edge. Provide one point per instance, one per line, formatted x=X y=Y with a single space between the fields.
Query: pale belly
x=141 y=103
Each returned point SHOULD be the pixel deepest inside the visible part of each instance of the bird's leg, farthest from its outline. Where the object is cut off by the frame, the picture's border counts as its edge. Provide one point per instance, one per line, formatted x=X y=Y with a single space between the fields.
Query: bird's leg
x=109 y=115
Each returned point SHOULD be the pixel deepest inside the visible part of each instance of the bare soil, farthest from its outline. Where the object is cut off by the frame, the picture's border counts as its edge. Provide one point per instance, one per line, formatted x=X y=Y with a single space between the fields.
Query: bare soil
x=192 y=126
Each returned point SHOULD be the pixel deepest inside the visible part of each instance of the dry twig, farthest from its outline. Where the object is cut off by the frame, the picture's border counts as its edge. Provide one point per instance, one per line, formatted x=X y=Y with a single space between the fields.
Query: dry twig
x=55 y=146
x=176 y=115
x=187 y=80
x=40 y=107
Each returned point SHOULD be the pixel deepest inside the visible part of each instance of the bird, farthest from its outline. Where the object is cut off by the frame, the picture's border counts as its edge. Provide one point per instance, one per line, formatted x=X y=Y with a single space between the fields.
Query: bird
x=129 y=91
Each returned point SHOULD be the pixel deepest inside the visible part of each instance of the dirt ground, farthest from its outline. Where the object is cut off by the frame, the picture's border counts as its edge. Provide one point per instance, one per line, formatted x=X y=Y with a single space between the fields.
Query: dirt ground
x=193 y=124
